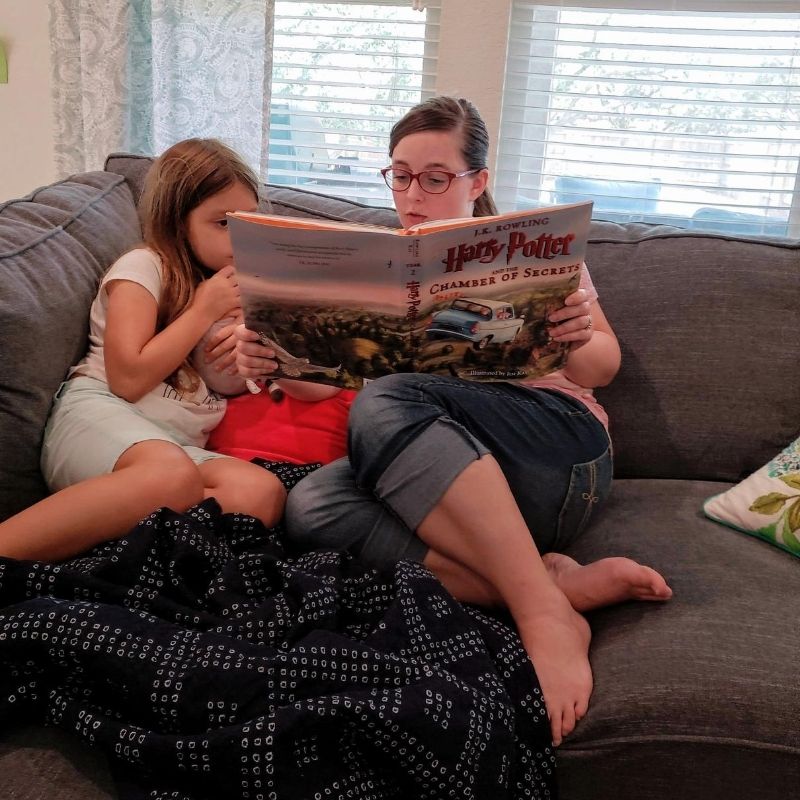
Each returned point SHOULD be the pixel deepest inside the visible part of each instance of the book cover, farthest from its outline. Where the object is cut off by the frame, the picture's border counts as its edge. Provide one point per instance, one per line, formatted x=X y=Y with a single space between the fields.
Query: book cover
x=343 y=303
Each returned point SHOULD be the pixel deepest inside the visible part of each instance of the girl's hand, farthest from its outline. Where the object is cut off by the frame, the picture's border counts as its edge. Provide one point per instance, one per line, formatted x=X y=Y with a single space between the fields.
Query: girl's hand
x=573 y=322
x=220 y=349
x=218 y=296
x=253 y=360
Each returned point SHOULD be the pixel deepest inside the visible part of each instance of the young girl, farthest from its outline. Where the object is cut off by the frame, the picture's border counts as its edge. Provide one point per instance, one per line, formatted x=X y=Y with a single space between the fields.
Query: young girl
x=128 y=427
x=476 y=480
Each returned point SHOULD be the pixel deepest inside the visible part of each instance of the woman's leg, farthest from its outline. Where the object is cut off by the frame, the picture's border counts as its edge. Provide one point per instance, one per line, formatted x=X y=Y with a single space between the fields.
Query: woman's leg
x=147 y=475
x=587 y=586
x=484 y=473
x=476 y=523
x=411 y=435
x=605 y=582
x=422 y=467
x=327 y=510
x=244 y=488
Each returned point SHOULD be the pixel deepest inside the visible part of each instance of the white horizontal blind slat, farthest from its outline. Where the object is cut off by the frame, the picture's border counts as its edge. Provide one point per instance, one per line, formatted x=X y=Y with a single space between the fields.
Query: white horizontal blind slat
x=686 y=118
x=343 y=73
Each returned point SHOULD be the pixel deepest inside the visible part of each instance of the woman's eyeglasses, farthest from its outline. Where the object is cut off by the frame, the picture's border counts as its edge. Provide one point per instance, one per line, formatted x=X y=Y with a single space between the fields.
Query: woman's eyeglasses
x=432 y=181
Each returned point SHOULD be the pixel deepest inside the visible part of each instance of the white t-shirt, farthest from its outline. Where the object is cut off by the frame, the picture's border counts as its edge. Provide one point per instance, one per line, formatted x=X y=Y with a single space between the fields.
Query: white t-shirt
x=194 y=414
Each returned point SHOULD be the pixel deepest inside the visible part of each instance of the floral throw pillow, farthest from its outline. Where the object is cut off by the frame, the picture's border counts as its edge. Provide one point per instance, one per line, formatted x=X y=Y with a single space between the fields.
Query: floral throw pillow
x=766 y=504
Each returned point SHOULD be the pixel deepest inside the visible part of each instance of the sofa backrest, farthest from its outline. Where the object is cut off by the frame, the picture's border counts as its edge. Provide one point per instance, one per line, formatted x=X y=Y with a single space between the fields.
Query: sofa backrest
x=54 y=246
x=709 y=387
x=708 y=324
x=276 y=199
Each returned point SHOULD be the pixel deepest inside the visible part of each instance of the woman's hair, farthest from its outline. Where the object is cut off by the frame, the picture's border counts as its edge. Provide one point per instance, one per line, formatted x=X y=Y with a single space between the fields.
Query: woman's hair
x=451 y=114
x=178 y=181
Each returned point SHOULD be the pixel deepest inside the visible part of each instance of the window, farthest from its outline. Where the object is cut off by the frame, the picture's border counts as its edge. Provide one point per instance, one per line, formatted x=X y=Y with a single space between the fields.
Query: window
x=683 y=117
x=342 y=74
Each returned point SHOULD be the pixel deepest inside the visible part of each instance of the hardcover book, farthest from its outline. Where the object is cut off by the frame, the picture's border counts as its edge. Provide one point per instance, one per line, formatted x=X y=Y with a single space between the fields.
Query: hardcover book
x=343 y=303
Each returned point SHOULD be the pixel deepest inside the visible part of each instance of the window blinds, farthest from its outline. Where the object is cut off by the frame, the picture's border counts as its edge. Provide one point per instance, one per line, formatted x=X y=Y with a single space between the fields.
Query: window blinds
x=342 y=74
x=689 y=117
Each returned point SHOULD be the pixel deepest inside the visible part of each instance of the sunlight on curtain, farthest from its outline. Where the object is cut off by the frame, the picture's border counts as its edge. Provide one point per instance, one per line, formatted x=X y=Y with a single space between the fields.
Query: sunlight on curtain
x=139 y=75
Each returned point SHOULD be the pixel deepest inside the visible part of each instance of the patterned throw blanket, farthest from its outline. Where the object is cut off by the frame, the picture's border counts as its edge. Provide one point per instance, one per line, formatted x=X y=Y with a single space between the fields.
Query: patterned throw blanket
x=205 y=663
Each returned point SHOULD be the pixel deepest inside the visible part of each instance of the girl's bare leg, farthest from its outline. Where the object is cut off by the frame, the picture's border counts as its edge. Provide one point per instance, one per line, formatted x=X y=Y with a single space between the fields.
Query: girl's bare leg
x=147 y=476
x=244 y=488
x=477 y=523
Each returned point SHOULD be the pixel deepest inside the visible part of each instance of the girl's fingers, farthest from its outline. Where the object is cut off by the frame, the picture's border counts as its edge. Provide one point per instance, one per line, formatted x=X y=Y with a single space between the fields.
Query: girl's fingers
x=226 y=361
x=224 y=336
x=222 y=349
x=244 y=334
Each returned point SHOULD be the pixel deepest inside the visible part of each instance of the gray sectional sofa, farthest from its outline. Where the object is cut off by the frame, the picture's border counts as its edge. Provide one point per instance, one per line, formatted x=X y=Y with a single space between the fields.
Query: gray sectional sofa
x=695 y=699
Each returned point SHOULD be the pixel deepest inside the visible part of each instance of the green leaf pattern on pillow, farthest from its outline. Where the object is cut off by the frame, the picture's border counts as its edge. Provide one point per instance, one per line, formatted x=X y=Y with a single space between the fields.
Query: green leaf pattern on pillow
x=772 y=492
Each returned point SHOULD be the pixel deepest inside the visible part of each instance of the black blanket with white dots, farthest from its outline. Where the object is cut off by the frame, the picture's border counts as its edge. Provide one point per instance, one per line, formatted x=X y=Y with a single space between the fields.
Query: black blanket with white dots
x=205 y=663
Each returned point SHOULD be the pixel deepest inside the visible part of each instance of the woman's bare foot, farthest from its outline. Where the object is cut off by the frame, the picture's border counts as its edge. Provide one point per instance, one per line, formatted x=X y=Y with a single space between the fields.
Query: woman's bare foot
x=556 y=639
x=604 y=582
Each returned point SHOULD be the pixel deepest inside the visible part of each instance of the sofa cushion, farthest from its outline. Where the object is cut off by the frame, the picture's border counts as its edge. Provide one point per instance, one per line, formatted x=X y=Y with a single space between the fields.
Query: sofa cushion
x=54 y=246
x=708 y=328
x=132 y=167
x=696 y=697
x=767 y=503
x=38 y=762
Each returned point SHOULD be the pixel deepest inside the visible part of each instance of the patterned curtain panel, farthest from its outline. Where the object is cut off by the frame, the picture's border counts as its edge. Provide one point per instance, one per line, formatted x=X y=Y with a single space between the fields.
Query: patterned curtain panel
x=138 y=75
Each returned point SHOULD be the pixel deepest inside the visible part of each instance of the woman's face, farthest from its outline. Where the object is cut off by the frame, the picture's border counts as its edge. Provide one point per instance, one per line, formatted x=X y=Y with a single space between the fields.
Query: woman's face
x=435 y=150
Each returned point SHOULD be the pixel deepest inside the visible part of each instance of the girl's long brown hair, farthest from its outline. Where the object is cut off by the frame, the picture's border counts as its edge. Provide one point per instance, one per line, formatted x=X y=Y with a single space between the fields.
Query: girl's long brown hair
x=451 y=114
x=181 y=178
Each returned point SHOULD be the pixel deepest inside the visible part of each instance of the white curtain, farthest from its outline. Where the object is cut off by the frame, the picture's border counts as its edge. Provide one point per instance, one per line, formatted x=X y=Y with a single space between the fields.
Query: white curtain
x=138 y=75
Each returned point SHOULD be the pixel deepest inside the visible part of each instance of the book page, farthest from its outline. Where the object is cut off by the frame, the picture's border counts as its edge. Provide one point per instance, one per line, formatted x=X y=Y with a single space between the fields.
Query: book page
x=308 y=223
x=333 y=303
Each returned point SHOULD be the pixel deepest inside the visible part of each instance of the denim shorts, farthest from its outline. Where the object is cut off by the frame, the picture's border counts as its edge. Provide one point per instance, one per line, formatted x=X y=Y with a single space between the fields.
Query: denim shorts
x=412 y=435
x=90 y=427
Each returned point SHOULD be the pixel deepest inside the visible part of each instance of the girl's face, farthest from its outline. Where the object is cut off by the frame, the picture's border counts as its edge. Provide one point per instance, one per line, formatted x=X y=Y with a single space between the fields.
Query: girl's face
x=207 y=225
x=435 y=150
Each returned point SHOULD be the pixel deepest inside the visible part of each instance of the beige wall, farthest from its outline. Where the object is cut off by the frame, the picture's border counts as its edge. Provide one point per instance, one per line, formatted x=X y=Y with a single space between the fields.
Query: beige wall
x=26 y=126
x=472 y=55
x=471 y=61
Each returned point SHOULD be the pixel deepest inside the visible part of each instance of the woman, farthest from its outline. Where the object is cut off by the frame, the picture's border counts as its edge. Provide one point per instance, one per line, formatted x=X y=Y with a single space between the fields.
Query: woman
x=475 y=480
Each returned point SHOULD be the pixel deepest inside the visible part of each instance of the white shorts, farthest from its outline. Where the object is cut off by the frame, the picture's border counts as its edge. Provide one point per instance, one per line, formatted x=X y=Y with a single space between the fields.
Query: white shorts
x=89 y=428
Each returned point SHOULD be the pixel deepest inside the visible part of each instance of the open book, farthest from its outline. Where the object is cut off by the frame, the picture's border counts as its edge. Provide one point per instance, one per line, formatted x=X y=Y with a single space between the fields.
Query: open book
x=342 y=303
